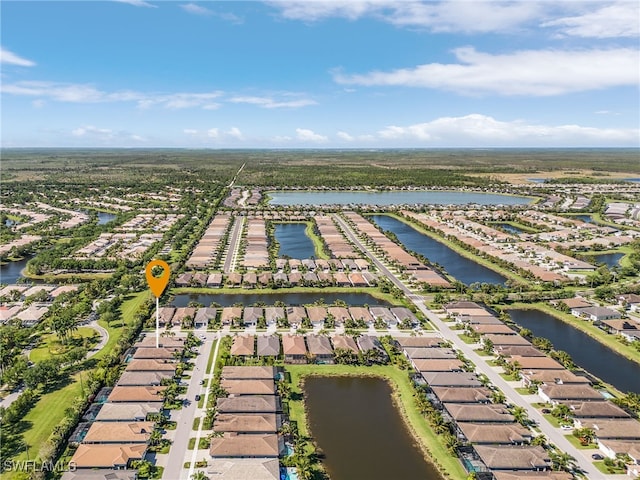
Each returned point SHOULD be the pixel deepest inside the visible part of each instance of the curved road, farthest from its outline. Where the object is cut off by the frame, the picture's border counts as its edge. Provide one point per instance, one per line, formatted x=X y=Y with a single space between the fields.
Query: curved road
x=554 y=435
x=104 y=338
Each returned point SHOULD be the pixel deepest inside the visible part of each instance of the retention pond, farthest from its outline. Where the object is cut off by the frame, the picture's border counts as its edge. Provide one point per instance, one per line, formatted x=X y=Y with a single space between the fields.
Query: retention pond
x=227 y=300
x=461 y=268
x=294 y=242
x=360 y=432
x=586 y=352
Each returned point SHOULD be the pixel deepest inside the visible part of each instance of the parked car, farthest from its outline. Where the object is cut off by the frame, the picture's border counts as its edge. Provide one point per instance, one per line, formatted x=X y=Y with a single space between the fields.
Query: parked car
x=597 y=456
x=566 y=427
x=197 y=398
x=546 y=410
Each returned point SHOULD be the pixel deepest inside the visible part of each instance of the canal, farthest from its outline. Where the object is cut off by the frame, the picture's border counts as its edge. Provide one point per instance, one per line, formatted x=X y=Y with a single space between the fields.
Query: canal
x=11 y=271
x=461 y=268
x=586 y=352
x=227 y=300
x=402 y=197
x=360 y=431
x=294 y=242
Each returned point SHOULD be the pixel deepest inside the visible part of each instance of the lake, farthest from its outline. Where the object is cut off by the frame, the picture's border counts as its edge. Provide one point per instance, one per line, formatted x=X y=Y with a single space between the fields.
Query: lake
x=609 y=259
x=227 y=300
x=294 y=243
x=510 y=228
x=584 y=218
x=10 y=272
x=586 y=352
x=104 y=217
x=402 y=197
x=360 y=431
x=461 y=268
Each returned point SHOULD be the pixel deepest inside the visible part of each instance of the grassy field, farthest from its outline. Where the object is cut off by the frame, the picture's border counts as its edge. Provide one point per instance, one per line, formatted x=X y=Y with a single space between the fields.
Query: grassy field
x=318 y=245
x=585 y=326
x=403 y=393
x=43 y=417
x=51 y=346
x=127 y=309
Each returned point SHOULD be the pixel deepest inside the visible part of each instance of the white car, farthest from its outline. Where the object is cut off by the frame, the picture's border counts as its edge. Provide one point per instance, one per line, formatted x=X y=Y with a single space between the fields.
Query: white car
x=566 y=427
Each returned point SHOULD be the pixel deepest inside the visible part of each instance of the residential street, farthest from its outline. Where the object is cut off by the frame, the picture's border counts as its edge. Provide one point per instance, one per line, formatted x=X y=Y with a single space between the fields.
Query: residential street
x=555 y=435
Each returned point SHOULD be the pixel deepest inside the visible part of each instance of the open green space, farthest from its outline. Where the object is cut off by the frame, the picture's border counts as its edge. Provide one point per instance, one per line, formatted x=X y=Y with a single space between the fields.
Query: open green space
x=434 y=450
x=43 y=417
x=127 y=309
x=51 y=346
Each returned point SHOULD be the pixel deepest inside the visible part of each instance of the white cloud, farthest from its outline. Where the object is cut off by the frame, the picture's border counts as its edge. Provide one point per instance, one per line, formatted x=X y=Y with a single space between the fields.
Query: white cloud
x=482 y=130
x=620 y=19
x=268 y=102
x=443 y=16
x=345 y=136
x=306 y=135
x=234 y=132
x=80 y=93
x=137 y=3
x=91 y=130
x=38 y=103
x=190 y=131
x=213 y=133
x=529 y=72
x=196 y=9
x=11 y=58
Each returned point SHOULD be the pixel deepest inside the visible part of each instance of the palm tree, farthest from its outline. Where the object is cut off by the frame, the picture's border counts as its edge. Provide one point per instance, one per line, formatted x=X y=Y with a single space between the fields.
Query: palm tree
x=156 y=437
x=520 y=415
x=304 y=467
x=199 y=475
x=539 y=440
x=561 y=460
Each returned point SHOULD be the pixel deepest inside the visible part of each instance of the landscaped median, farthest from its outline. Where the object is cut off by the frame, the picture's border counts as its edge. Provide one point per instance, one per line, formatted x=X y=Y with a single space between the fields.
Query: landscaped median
x=404 y=397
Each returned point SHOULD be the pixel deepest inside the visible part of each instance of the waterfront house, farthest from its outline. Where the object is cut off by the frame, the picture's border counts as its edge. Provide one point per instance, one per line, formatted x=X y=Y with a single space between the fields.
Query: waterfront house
x=344 y=342
x=595 y=314
x=252 y=315
x=264 y=386
x=494 y=434
x=513 y=458
x=479 y=413
x=294 y=349
x=273 y=314
x=569 y=392
x=247 y=423
x=204 y=316
x=248 y=372
x=249 y=404
x=320 y=348
x=233 y=445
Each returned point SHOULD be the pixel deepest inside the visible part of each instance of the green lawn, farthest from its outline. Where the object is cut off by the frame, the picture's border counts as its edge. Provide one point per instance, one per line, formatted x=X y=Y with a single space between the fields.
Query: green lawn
x=45 y=415
x=609 y=471
x=210 y=361
x=318 y=245
x=403 y=391
x=127 y=309
x=51 y=346
x=575 y=441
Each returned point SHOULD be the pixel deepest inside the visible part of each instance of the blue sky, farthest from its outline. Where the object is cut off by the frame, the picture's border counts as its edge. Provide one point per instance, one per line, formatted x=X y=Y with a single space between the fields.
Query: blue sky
x=320 y=74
